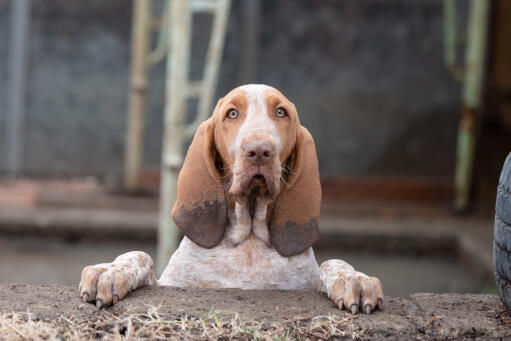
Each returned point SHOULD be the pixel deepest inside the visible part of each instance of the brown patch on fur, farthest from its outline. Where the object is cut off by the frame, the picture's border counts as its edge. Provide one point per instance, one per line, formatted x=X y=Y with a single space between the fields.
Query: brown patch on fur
x=226 y=129
x=338 y=290
x=122 y=286
x=204 y=225
x=292 y=238
x=143 y=260
x=287 y=128
x=247 y=250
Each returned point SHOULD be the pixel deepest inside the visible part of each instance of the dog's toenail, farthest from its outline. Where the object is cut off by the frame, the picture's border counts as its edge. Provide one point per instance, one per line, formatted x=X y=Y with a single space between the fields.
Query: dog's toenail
x=354 y=309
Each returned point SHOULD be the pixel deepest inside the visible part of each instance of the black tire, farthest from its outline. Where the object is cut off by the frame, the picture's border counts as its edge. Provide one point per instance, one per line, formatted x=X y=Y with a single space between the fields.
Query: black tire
x=502 y=262
x=503 y=204
x=502 y=235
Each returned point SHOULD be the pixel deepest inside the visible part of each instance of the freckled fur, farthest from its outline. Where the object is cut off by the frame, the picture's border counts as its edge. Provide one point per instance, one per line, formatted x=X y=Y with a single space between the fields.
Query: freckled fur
x=250 y=265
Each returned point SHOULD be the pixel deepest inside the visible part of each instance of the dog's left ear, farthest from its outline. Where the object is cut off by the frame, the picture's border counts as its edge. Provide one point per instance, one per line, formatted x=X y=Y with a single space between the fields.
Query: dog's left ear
x=294 y=225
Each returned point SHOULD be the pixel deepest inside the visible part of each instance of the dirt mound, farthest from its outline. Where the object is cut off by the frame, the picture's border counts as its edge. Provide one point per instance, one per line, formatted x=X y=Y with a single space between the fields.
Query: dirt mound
x=56 y=312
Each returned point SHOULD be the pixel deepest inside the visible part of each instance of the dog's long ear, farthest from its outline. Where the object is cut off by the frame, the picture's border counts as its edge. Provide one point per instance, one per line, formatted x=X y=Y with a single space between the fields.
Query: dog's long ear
x=200 y=209
x=294 y=225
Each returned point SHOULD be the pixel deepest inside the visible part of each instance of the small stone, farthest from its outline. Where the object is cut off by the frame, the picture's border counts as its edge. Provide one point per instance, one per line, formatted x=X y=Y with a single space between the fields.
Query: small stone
x=421 y=329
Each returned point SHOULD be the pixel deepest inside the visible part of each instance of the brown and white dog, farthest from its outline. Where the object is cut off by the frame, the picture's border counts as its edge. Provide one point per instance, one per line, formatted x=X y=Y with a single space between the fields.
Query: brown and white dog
x=248 y=204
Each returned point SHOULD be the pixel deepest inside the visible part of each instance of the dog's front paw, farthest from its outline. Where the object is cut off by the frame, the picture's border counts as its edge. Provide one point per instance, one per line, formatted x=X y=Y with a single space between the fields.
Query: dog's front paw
x=107 y=283
x=355 y=291
x=350 y=289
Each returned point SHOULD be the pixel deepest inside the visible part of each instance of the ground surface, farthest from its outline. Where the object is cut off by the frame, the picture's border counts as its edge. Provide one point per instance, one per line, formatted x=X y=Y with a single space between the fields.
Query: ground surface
x=54 y=312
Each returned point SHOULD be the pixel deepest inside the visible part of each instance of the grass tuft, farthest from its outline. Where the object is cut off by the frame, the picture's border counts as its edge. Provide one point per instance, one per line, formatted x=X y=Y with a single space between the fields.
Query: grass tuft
x=155 y=325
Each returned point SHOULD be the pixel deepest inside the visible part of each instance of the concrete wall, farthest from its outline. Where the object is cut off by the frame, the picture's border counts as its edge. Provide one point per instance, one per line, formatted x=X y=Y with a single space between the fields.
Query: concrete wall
x=367 y=77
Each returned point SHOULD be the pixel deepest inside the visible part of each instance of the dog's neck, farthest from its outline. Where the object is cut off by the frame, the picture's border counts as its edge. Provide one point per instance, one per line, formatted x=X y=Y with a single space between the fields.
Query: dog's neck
x=248 y=216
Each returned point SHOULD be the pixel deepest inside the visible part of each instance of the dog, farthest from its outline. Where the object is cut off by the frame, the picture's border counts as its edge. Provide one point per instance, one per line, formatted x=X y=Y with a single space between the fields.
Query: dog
x=248 y=202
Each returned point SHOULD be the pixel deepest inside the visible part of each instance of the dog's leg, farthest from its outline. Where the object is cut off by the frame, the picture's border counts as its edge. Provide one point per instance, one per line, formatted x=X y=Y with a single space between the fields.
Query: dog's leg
x=349 y=288
x=108 y=283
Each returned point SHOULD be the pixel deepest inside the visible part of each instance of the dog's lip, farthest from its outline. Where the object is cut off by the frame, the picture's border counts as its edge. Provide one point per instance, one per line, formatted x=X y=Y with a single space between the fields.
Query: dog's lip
x=256 y=178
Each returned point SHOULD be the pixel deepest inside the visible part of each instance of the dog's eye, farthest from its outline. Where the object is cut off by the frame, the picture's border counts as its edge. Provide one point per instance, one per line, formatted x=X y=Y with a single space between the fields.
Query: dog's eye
x=232 y=114
x=280 y=112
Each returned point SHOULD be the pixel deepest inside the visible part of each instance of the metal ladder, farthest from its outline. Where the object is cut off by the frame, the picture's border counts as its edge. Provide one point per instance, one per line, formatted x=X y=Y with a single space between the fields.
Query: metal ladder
x=174 y=42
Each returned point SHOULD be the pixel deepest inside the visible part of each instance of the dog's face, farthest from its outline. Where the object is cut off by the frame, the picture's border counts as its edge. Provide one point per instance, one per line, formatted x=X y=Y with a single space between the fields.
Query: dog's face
x=255 y=131
x=253 y=145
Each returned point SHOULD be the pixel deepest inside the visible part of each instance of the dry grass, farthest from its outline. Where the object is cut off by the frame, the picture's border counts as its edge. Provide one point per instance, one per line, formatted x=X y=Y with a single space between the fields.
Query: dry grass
x=153 y=326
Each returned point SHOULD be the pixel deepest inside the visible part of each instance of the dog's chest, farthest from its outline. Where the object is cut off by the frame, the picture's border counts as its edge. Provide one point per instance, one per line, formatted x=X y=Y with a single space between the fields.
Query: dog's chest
x=250 y=265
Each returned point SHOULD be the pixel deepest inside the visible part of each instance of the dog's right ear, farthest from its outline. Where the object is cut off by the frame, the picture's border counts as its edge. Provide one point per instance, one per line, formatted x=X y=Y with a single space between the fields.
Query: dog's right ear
x=200 y=210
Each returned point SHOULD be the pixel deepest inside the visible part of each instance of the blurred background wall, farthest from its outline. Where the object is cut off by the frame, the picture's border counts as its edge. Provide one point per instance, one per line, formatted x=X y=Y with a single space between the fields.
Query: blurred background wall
x=367 y=77
x=369 y=80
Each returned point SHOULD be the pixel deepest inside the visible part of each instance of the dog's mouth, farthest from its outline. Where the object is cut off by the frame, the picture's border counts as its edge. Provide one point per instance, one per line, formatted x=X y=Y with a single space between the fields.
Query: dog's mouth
x=258 y=177
x=258 y=180
x=259 y=184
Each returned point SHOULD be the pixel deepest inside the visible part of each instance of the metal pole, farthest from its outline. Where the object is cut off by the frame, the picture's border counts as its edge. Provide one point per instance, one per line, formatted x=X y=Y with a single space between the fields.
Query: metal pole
x=471 y=100
x=451 y=40
x=20 y=28
x=133 y=155
x=178 y=59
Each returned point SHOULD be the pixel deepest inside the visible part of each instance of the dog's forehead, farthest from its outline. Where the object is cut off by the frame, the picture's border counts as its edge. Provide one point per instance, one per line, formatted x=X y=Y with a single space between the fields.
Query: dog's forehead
x=255 y=93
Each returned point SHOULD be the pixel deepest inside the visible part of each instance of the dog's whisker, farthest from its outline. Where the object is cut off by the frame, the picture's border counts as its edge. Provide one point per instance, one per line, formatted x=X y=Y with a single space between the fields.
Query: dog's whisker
x=284 y=181
x=229 y=169
x=286 y=169
x=227 y=174
x=227 y=185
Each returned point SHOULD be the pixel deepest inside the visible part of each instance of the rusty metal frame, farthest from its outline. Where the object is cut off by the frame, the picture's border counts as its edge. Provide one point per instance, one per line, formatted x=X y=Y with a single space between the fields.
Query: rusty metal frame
x=473 y=77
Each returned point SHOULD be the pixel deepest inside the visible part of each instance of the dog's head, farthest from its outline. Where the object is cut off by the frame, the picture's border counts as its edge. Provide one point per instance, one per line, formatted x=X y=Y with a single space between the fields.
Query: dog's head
x=252 y=145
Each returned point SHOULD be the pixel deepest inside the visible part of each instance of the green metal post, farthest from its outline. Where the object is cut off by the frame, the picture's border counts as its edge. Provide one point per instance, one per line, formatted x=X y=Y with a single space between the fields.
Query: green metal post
x=471 y=99
x=451 y=40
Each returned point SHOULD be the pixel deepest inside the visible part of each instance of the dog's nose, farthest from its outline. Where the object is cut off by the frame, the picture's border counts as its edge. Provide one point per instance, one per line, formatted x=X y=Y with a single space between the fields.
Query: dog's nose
x=259 y=152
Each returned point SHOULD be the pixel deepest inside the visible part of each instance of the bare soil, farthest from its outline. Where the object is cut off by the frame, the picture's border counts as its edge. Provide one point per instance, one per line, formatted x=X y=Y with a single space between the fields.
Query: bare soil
x=56 y=312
